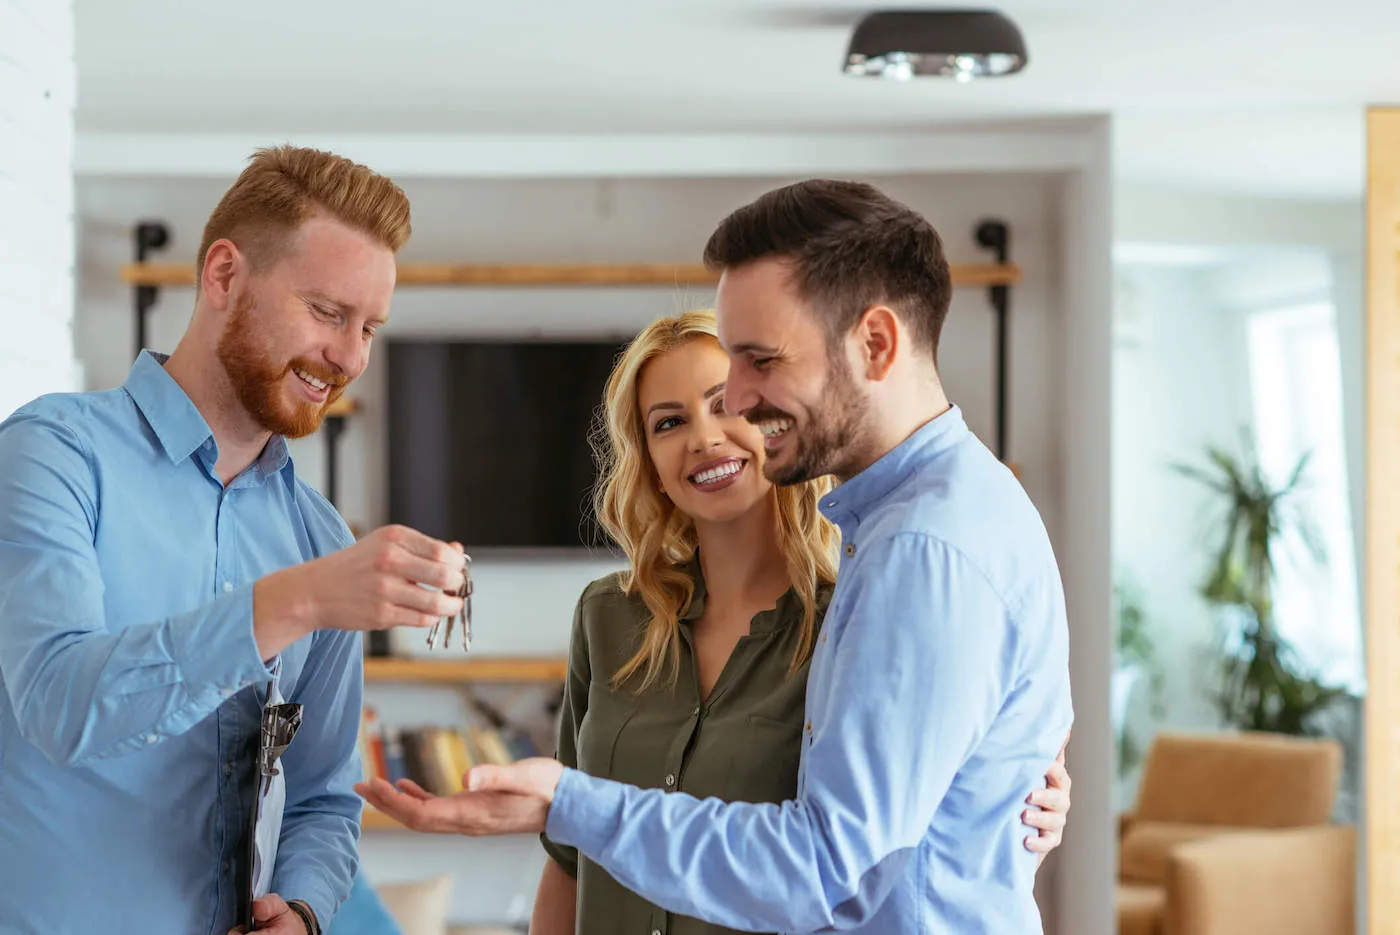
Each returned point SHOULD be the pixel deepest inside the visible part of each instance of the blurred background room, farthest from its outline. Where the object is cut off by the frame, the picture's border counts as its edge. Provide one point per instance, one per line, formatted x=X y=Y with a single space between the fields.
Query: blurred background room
x=1175 y=315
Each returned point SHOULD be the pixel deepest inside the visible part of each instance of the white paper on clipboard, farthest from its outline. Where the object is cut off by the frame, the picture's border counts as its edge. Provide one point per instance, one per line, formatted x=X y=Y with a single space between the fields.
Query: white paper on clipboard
x=272 y=801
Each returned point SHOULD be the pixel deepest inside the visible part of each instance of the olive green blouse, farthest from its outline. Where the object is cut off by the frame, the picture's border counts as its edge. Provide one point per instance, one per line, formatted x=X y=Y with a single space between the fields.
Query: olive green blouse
x=741 y=744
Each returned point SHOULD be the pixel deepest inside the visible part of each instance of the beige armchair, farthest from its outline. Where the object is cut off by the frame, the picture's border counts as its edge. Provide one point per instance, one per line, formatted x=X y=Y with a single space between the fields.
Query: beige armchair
x=1230 y=835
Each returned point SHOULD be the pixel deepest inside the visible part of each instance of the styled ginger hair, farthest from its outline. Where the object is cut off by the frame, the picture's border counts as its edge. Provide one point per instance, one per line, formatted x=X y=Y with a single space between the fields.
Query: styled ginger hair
x=283 y=187
x=659 y=539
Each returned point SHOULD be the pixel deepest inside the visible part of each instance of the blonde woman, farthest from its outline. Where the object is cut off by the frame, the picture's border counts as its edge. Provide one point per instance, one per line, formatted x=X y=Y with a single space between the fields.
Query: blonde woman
x=688 y=671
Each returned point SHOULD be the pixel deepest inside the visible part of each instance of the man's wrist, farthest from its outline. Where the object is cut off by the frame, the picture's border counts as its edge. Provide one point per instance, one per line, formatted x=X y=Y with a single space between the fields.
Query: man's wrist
x=282 y=613
x=307 y=916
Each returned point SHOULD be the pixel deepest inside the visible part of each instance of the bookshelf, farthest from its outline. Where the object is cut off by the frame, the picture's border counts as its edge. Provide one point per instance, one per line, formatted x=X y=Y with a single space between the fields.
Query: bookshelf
x=458 y=672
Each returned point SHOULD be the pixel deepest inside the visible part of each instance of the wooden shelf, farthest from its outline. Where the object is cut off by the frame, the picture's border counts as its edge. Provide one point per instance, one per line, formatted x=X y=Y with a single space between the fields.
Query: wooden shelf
x=344 y=406
x=570 y=274
x=372 y=819
x=480 y=669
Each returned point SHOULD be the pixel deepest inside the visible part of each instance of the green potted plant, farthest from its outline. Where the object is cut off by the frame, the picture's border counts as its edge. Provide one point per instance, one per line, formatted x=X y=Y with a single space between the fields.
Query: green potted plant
x=1262 y=685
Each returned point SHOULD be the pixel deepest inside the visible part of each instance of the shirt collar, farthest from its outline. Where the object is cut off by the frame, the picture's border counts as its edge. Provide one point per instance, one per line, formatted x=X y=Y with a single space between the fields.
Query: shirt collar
x=274 y=457
x=177 y=422
x=861 y=494
x=696 y=607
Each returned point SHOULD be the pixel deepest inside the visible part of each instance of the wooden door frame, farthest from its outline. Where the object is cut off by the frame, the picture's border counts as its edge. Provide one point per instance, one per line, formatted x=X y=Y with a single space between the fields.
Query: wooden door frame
x=1382 y=559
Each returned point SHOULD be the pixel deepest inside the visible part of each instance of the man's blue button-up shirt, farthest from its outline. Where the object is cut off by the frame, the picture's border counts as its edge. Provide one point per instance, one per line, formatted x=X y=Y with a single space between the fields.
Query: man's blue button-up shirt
x=130 y=682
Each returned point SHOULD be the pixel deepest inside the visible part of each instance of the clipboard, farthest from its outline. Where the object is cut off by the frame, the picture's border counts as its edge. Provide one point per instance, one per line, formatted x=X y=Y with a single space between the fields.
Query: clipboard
x=278 y=726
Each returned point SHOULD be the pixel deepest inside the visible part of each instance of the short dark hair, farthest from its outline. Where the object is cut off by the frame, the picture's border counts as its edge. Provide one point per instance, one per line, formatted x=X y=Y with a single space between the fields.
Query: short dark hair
x=851 y=247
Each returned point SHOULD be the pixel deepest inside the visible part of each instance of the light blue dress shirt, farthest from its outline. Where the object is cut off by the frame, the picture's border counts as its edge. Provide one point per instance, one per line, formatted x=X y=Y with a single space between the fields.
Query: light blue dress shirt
x=131 y=682
x=938 y=697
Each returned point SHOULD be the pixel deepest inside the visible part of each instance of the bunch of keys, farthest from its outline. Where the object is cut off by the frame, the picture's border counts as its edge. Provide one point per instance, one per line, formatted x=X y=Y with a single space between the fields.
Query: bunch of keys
x=465 y=617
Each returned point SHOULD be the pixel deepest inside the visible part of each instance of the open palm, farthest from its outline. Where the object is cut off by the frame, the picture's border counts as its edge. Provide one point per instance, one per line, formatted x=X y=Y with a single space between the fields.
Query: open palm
x=470 y=813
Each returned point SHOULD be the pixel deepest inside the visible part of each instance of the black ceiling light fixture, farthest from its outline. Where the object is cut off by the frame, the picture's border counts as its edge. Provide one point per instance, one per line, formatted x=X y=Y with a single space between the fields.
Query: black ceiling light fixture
x=900 y=45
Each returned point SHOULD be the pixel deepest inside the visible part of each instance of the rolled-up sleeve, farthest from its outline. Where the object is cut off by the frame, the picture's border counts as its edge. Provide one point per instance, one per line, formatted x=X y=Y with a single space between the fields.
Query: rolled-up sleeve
x=919 y=669
x=79 y=690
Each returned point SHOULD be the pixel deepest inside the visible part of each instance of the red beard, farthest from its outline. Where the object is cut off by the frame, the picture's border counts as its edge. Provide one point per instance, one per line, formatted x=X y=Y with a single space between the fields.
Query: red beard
x=258 y=379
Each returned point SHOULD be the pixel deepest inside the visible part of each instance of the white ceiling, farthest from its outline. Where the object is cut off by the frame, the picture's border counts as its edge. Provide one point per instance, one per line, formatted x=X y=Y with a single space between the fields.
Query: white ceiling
x=1249 y=96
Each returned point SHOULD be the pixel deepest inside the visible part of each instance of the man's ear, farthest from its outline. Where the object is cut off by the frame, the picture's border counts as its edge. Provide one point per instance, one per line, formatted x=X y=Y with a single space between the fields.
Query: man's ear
x=877 y=336
x=221 y=262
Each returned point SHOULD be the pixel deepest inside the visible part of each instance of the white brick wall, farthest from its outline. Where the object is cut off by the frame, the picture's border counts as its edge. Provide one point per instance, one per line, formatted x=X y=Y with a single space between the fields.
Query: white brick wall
x=38 y=86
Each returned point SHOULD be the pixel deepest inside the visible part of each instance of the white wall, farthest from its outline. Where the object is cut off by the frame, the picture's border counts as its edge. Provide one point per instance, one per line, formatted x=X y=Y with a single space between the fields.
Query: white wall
x=1164 y=215
x=37 y=83
x=1081 y=874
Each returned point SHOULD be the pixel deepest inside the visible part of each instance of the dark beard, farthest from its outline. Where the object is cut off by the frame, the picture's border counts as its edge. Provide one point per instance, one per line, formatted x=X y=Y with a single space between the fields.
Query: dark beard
x=829 y=436
x=257 y=379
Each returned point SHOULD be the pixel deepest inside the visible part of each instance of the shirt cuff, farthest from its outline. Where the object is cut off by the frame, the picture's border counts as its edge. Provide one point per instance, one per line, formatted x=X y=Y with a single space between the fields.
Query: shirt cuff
x=220 y=658
x=316 y=898
x=309 y=918
x=565 y=857
x=585 y=811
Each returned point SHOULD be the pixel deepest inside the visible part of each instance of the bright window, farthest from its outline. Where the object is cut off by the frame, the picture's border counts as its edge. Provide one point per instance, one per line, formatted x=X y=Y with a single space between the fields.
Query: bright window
x=1295 y=372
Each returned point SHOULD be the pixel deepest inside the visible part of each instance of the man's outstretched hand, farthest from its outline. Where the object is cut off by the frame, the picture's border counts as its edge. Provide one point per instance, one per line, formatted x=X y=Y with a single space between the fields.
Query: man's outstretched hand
x=512 y=799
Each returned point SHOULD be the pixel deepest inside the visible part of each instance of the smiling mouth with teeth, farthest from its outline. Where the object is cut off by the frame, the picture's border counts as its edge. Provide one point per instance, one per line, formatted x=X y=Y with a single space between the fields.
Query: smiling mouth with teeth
x=774 y=428
x=316 y=384
x=717 y=473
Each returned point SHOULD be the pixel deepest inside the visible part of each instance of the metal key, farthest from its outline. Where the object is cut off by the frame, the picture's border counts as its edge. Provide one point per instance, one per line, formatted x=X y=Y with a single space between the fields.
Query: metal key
x=465 y=616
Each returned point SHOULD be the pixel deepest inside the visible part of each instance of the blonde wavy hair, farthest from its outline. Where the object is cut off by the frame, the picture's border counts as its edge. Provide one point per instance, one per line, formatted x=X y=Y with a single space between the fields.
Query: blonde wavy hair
x=659 y=539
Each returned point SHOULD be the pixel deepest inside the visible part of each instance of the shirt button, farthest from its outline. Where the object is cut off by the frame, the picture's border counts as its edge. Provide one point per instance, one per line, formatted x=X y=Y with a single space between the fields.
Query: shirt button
x=656 y=932
x=807 y=727
x=670 y=779
x=831 y=503
x=228 y=585
x=695 y=711
x=823 y=639
x=151 y=738
x=226 y=866
x=228 y=769
x=850 y=549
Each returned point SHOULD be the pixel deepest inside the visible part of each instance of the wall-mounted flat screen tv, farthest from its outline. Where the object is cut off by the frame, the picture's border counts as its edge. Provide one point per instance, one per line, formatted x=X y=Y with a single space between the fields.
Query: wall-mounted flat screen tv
x=489 y=440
